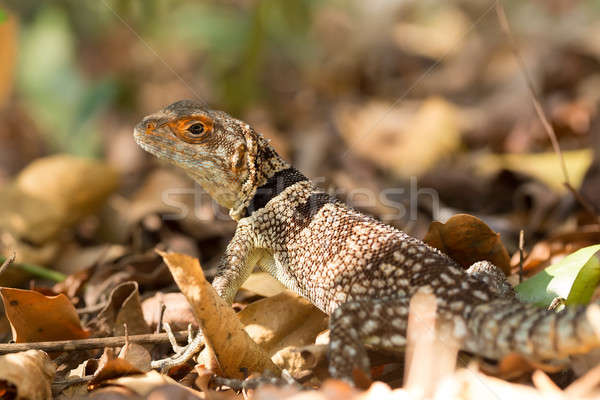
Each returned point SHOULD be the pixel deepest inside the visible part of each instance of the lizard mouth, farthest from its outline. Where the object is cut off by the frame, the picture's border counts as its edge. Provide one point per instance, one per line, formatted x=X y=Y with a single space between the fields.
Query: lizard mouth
x=151 y=141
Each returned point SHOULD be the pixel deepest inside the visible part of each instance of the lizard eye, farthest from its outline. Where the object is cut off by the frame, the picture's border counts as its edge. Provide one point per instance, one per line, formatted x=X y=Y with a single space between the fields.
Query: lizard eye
x=196 y=129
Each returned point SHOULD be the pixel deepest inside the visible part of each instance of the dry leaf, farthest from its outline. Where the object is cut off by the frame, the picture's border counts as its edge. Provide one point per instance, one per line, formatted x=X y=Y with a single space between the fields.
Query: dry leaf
x=393 y=137
x=263 y=284
x=37 y=318
x=438 y=34
x=178 y=312
x=76 y=185
x=554 y=248
x=8 y=55
x=144 y=384
x=137 y=356
x=284 y=320
x=223 y=331
x=112 y=369
x=181 y=392
x=30 y=373
x=467 y=239
x=124 y=307
x=544 y=166
x=29 y=217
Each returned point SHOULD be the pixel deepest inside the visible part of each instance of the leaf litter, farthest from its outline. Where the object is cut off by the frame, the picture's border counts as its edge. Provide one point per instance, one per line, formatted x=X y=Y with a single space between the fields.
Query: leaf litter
x=465 y=128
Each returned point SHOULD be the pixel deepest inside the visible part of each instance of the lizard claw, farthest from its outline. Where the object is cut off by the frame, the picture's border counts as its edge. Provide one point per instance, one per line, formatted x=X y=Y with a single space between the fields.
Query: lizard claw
x=182 y=353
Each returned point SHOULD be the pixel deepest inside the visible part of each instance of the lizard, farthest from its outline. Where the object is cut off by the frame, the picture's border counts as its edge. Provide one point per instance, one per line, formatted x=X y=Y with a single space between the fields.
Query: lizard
x=353 y=267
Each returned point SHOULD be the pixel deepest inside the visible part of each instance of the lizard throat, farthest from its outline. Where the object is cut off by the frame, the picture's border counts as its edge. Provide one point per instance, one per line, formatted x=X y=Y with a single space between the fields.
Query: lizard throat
x=273 y=187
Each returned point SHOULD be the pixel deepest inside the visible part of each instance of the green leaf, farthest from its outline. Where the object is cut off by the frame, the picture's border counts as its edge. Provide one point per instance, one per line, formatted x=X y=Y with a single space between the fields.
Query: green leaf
x=2 y=15
x=573 y=278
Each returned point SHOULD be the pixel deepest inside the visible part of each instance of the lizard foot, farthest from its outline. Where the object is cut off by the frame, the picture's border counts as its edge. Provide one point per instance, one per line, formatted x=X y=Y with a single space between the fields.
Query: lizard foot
x=182 y=353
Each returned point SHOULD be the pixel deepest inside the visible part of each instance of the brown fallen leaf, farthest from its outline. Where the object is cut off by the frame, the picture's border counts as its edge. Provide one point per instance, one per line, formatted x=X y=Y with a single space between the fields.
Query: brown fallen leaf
x=299 y=365
x=554 y=248
x=263 y=284
x=36 y=318
x=137 y=356
x=26 y=216
x=112 y=369
x=47 y=197
x=181 y=392
x=514 y=366
x=467 y=239
x=543 y=166
x=393 y=137
x=436 y=33
x=177 y=313
x=73 y=184
x=148 y=382
x=8 y=54
x=286 y=319
x=232 y=348
x=124 y=307
x=29 y=374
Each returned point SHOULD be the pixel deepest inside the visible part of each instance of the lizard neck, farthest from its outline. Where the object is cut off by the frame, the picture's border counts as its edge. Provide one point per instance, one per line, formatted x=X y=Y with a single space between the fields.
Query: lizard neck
x=264 y=164
x=276 y=184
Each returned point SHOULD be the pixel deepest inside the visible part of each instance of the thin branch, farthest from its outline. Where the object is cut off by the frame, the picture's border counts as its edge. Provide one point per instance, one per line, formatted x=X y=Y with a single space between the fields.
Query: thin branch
x=521 y=251
x=87 y=344
x=534 y=97
x=540 y=111
x=8 y=261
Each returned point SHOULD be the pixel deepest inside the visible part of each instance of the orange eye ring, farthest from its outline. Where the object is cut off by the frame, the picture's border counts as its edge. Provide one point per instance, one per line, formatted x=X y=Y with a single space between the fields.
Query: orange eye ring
x=192 y=130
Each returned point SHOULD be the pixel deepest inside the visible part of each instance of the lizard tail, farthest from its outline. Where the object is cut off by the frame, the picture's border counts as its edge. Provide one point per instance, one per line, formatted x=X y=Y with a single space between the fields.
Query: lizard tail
x=501 y=327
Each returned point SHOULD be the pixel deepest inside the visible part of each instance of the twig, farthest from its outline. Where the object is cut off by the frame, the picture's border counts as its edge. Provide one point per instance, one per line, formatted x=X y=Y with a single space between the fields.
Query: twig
x=521 y=247
x=540 y=111
x=8 y=261
x=87 y=344
x=161 y=315
x=72 y=381
x=534 y=98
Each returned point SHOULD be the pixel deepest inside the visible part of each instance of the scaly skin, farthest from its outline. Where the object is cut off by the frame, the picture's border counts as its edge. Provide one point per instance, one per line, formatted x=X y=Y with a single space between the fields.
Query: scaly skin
x=353 y=267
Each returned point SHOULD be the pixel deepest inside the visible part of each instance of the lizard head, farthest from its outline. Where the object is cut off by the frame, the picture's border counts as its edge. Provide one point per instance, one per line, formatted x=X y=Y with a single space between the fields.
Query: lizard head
x=223 y=154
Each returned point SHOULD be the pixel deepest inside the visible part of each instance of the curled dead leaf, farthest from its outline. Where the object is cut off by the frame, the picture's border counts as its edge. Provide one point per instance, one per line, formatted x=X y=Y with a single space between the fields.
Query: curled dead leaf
x=233 y=350
x=467 y=239
x=29 y=373
x=112 y=369
x=124 y=307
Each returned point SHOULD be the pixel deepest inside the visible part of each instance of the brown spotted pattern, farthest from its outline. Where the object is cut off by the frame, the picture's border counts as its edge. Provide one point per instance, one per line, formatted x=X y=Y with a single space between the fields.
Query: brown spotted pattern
x=351 y=266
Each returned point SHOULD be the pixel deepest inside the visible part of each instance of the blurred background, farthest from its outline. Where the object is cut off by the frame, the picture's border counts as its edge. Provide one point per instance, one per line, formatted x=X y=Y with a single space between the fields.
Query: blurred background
x=423 y=100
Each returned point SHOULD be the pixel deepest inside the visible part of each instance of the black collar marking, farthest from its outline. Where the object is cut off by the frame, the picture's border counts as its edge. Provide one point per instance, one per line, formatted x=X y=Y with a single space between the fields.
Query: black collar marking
x=273 y=187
